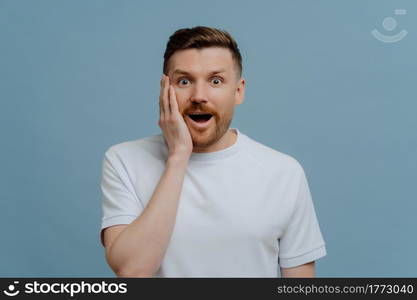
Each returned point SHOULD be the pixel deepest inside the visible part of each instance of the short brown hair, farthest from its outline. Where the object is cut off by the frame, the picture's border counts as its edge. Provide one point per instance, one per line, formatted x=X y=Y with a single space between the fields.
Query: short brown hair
x=202 y=37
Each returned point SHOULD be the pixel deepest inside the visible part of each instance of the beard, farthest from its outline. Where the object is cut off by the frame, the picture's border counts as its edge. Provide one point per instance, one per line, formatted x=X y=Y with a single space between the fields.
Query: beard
x=207 y=137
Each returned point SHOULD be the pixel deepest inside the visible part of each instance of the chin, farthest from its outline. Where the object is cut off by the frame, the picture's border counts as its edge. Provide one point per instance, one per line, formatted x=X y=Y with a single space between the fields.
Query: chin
x=201 y=140
x=206 y=138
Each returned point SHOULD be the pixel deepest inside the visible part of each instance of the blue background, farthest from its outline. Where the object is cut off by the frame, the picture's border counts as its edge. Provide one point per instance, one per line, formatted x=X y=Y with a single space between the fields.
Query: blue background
x=79 y=76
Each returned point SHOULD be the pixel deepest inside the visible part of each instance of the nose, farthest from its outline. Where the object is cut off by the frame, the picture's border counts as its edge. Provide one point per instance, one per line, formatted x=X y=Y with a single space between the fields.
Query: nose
x=199 y=93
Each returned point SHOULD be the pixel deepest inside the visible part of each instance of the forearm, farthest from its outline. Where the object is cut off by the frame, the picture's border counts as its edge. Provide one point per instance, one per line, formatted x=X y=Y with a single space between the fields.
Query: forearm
x=303 y=271
x=139 y=249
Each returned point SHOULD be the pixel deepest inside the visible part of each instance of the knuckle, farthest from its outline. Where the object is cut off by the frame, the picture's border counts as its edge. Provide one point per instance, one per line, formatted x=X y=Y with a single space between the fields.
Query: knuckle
x=172 y=119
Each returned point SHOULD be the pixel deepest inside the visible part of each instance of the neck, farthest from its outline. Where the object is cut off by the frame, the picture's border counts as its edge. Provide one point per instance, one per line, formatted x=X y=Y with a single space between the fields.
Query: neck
x=227 y=140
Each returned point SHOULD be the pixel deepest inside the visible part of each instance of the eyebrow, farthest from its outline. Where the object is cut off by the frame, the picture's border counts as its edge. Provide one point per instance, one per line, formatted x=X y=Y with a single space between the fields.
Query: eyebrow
x=179 y=71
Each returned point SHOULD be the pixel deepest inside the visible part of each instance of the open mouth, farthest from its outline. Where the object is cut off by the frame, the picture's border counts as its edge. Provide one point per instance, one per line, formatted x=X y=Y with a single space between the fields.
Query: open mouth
x=200 y=118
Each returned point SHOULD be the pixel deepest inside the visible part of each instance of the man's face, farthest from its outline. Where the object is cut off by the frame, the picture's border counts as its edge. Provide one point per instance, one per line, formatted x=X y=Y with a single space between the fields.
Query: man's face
x=197 y=88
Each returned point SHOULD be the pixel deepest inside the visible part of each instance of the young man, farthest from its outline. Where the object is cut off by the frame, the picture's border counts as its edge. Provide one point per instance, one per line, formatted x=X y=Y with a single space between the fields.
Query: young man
x=200 y=199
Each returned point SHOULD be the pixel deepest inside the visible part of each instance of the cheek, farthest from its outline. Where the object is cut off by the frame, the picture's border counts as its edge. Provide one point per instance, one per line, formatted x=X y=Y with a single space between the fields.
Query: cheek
x=221 y=93
x=221 y=99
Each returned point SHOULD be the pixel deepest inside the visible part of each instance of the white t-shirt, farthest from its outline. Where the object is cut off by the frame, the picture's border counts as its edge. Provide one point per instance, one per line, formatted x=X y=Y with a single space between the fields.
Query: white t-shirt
x=243 y=211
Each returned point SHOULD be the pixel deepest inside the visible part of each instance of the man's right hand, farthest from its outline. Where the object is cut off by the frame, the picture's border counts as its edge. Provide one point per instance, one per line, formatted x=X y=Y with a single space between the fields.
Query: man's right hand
x=138 y=249
x=175 y=131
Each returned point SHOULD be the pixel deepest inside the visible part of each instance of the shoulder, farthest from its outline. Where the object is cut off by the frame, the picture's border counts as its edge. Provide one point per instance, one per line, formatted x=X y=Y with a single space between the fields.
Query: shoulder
x=142 y=147
x=269 y=157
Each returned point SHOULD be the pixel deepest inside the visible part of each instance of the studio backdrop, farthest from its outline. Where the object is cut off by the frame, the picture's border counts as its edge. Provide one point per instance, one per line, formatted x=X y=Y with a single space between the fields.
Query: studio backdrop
x=331 y=83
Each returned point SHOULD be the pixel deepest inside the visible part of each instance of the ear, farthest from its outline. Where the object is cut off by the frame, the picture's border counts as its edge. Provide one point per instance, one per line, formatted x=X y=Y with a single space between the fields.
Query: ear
x=240 y=91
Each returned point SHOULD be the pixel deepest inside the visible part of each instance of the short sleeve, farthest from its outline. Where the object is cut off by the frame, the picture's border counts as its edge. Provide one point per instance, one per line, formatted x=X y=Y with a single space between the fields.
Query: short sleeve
x=302 y=241
x=120 y=205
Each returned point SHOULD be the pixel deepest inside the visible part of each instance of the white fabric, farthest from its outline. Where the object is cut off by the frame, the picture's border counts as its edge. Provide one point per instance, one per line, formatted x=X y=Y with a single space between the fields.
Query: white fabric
x=243 y=211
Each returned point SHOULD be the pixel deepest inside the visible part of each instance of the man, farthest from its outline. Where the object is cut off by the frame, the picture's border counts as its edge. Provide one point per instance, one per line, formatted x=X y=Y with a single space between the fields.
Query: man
x=200 y=199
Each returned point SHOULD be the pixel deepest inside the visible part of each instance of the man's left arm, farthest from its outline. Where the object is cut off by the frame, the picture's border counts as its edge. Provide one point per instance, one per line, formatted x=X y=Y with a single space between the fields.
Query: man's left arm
x=303 y=271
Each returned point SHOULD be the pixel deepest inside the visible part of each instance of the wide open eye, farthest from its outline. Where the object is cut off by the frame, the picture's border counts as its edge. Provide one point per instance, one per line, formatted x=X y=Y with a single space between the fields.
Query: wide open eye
x=216 y=79
x=182 y=80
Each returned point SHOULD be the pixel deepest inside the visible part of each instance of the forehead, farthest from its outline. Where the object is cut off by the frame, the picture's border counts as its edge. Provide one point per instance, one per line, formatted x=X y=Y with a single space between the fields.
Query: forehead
x=202 y=60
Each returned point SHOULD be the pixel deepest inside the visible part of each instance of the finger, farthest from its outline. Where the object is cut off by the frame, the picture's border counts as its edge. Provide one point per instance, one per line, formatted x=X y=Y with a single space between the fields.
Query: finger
x=161 y=95
x=165 y=98
x=161 y=113
x=173 y=101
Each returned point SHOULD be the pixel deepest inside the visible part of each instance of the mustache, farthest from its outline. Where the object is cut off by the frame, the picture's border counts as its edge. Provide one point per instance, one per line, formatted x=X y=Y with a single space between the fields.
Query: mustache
x=201 y=109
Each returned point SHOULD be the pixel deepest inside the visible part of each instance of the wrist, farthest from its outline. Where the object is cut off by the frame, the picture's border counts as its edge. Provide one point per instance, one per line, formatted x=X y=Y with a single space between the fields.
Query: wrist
x=178 y=159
